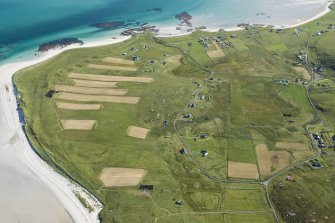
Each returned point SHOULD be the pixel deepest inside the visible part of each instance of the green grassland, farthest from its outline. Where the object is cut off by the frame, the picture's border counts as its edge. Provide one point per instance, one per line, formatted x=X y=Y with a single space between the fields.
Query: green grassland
x=245 y=106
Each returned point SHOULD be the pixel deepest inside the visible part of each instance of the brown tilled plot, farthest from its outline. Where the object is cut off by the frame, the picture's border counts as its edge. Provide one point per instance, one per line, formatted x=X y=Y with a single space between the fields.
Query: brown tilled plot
x=97 y=98
x=78 y=124
x=97 y=84
x=271 y=159
x=118 y=61
x=110 y=78
x=118 y=177
x=242 y=170
x=290 y=145
x=73 y=106
x=137 y=132
x=303 y=71
x=174 y=59
x=110 y=67
x=88 y=90
x=215 y=53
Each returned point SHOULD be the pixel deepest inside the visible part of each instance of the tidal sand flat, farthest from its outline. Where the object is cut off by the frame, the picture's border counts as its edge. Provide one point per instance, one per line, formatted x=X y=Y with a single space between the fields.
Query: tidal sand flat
x=31 y=190
x=24 y=197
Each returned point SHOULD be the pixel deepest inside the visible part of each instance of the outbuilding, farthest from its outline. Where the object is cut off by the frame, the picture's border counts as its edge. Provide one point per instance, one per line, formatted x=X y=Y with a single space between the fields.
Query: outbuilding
x=204 y=153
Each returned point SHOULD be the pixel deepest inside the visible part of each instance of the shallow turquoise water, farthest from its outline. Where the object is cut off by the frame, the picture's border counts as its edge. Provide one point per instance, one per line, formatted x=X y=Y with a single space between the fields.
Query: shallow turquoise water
x=26 y=24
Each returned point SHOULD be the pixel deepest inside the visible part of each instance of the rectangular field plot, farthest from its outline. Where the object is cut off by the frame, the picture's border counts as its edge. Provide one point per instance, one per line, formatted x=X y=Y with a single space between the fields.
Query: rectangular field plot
x=269 y=160
x=96 y=84
x=215 y=53
x=98 y=98
x=118 y=61
x=118 y=177
x=290 y=145
x=138 y=132
x=175 y=59
x=240 y=150
x=73 y=106
x=89 y=90
x=244 y=199
x=96 y=77
x=78 y=124
x=110 y=67
x=205 y=200
x=242 y=170
x=194 y=218
x=260 y=217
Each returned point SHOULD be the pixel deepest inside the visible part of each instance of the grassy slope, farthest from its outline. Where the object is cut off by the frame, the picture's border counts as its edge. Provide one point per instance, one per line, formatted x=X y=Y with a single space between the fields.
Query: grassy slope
x=246 y=109
x=308 y=199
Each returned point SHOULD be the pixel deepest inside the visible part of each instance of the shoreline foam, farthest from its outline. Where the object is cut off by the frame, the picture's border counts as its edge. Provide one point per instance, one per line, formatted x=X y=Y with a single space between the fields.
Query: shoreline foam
x=61 y=187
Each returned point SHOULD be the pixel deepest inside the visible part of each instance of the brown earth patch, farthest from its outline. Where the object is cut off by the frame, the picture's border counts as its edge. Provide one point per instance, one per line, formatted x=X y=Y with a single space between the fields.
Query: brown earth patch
x=78 y=124
x=242 y=170
x=97 y=84
x=110 y=67
x=88 y=90
x=137 y=132
x=97 y=98
x=280 y=159
x=290 y=145
x=73 y=106
x=303 y=71
x=271 y=159
x=110 y=78
x=118 y=61
x=174 y=59
x=215 y=53
x=118 y=177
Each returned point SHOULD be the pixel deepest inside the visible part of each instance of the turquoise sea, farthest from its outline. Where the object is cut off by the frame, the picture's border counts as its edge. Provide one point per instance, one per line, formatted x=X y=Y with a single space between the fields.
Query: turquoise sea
x=27 y=24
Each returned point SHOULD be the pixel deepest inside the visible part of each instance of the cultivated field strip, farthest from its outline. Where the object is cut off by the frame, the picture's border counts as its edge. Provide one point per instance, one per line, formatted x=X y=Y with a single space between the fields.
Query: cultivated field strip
x=74 y=106
x=215 y=53
x=96 y=84
x=118 y=61
x=98 y=98
x=242 y=170
x=271 y=159
x=118 y=177
x=290 y=145
x=137 y=132
x=90 y=91
x=110 y=78
x=175 y=59
x=78 y=124
x=110 y=67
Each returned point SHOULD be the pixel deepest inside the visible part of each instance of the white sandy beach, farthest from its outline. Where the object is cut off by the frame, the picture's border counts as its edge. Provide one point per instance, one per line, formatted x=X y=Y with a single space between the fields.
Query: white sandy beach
x=31 y=190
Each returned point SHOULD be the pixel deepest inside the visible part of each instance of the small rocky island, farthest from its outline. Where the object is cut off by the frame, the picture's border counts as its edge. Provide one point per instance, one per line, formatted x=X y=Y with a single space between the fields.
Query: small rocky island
x=185 y=18
x=59 y=43
x=154 y=10
x=109 y=25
